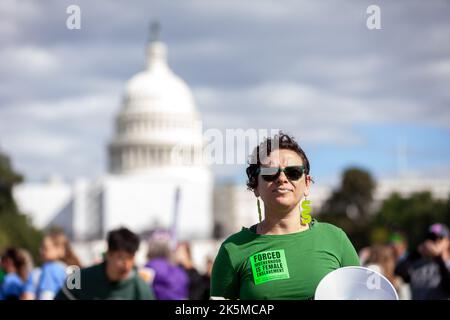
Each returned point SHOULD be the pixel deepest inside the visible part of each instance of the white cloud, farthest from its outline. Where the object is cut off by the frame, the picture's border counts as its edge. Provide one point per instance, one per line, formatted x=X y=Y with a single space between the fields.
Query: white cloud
x=66 y=136
x=309 y=67
x=439 y=69
x=342 y=67
x=202 y=47
x=316 y=114
x=65 y=110
x=38 y=144
x=27 y=59
x=267 y=10
x=15 y=13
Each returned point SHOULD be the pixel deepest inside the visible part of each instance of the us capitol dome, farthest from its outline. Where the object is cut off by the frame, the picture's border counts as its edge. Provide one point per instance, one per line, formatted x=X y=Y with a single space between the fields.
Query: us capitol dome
x=158 y=116
x=155 y=176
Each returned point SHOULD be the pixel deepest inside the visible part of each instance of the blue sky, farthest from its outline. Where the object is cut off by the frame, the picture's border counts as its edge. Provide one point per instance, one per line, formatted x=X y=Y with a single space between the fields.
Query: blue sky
x=350 y=95
x=390 y=151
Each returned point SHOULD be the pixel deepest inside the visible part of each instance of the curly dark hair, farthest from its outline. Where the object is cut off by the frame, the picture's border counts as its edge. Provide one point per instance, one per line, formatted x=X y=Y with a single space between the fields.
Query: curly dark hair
x=279 y=141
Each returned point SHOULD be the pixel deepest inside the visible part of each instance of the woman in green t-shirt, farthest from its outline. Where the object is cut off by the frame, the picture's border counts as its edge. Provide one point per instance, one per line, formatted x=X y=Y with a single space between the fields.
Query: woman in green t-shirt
x=286 y=254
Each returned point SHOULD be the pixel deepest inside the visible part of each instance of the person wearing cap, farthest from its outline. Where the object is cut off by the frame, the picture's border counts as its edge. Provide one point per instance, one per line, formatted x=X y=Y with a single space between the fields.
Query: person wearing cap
x=287 y=253
x=399 y=243
x=428 y=269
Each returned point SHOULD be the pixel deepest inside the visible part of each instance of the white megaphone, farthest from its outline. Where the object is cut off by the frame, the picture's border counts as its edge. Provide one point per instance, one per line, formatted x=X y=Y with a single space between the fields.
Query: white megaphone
x=355 y=283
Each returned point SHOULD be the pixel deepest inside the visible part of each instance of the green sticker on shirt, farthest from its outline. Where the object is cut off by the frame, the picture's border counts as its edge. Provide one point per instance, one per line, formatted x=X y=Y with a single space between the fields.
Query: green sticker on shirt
x=269 y=265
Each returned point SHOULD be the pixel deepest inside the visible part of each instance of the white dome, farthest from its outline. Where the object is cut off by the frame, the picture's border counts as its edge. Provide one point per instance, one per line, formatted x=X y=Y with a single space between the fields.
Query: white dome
x=158 y=89
x=158 y=119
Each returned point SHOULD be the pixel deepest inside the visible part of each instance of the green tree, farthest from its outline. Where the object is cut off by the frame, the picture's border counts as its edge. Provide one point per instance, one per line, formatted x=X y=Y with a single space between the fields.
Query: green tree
x=413 y=214
x=15 y=227
x=8 y=178
x=354 y=196
x=349 y=206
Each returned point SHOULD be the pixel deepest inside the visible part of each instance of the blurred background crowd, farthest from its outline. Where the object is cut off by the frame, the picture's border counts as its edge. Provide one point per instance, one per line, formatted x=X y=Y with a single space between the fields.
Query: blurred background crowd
x=99 y=110
x=402 y=241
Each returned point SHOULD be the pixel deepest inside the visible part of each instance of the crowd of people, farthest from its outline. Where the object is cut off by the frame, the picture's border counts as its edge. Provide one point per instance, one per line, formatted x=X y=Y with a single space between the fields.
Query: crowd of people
x=169 y=273
x=22 y=280
x=422 y=273
x=283 y=256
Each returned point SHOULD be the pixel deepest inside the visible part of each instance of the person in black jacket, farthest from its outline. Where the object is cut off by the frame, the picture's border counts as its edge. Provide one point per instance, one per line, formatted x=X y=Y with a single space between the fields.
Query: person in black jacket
x=428 y=269
x=198 y=283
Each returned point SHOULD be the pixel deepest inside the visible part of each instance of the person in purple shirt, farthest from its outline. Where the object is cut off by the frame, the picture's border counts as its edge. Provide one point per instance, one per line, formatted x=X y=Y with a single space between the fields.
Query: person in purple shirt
x=170 y=282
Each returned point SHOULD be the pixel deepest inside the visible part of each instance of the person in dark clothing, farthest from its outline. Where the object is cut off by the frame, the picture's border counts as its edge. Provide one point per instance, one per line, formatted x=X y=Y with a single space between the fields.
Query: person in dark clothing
x=198 y=283
x=117 y=278
x=428 y=268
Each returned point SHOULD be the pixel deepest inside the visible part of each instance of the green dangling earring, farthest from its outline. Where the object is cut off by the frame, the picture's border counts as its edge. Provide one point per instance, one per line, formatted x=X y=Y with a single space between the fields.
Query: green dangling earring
x=259 y=209
x=305 y=216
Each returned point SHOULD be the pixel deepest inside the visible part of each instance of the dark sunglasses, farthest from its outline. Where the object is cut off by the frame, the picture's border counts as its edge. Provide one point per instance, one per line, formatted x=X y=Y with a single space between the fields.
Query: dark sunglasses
x=272 y=173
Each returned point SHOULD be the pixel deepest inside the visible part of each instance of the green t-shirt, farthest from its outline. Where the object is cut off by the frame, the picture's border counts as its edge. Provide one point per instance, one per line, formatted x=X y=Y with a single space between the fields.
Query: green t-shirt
x=288 y=266
x=96 y=286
